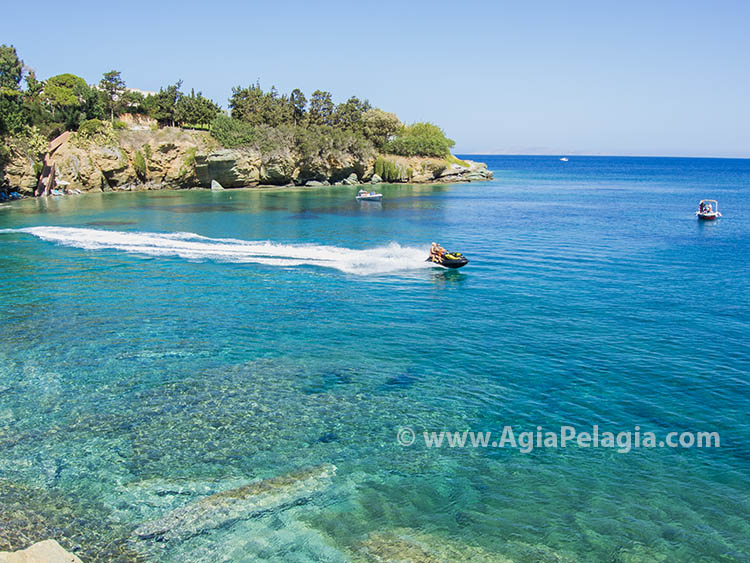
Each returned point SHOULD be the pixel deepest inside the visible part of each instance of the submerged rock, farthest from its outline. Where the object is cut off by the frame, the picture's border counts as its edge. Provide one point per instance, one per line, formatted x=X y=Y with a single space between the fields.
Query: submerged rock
x=247 y=501
x=404 y=544
x=47 y=551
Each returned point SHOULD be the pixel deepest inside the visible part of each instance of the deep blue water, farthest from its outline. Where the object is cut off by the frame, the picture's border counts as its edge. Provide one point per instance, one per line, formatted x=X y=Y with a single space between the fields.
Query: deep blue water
x=146 y=364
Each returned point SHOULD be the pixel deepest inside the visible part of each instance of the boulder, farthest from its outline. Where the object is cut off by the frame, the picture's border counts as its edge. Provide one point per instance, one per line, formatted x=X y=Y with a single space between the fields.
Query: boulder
x=376 y=179
x=216 y=185
x=350 y=180
x=47 y=551
x=312 y=183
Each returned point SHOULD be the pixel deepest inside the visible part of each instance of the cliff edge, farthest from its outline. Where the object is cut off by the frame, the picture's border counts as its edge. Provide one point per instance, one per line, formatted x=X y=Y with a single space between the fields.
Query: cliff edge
x=175 y=158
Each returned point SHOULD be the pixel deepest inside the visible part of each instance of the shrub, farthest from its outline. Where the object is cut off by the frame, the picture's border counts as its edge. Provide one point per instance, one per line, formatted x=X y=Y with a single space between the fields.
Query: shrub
x=420 y=139
x=119 y=125
x=387 y=170
x=453 y=160
x=139 y=165
x=90 y=128
x=232 y=133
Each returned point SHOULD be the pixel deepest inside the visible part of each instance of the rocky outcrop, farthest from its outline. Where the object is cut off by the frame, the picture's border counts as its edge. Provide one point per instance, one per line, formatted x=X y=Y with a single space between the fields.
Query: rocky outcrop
x=232 y=168
x=47 y=551
x=241 y=503
x=143 y=159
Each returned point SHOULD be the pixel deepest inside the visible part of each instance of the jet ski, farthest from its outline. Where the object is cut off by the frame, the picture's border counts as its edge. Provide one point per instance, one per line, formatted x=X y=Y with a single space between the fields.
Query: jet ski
x=450 y=260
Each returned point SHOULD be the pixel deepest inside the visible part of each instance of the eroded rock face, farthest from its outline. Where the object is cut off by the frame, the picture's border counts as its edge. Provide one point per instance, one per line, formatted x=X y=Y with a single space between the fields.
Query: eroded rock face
x=19 y=173
x=176 y=158
x=232 y=168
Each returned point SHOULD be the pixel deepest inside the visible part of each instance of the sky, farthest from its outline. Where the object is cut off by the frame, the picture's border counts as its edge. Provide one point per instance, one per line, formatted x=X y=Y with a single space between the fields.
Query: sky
x=500 y=77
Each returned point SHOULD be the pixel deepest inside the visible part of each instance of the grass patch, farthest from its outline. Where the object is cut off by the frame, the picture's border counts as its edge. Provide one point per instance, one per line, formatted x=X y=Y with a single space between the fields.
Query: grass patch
x=453 y=160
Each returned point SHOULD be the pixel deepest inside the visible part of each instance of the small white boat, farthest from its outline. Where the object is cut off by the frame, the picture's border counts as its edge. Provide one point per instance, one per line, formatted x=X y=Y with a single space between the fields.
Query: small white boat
x=708 y=210
x=364 y=195
x=564 y=159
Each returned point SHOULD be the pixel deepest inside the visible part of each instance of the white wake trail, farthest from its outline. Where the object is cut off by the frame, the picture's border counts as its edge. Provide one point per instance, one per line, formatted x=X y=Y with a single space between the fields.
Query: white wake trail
x=390 y=258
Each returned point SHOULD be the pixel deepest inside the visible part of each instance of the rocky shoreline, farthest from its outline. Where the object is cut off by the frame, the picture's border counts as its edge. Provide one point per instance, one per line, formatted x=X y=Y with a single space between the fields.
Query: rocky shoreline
x=174 y=158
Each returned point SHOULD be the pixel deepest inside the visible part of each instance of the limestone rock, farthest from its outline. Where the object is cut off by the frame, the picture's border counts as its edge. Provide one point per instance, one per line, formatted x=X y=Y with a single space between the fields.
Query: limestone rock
x=278 y=170
x=312 y=183
x=232 y=168
x=216 y=185
x=19 y=173
x=350 y=180
x=178 y=158
x=47 y=551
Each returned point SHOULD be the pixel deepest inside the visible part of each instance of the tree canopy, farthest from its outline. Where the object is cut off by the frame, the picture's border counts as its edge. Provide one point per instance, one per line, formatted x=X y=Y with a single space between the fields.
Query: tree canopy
x=11 y=68
x=256 y=116
x=113 y=87
x=420 y=139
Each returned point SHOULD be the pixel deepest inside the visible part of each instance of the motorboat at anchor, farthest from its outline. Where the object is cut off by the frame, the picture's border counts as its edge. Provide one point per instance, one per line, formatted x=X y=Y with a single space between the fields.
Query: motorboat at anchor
x=708 y=210
x=364 y=195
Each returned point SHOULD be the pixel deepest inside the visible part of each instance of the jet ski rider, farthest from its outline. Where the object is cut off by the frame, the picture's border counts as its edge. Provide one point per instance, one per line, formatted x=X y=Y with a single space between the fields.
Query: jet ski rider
x=437 y=252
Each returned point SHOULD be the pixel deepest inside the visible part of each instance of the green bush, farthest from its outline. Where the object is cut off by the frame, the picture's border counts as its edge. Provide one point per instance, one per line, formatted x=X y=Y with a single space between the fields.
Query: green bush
x=232 y=133
x=139 y=165
x=420 y=139
x=119 y=125
x=387 y=169
x=91 y=127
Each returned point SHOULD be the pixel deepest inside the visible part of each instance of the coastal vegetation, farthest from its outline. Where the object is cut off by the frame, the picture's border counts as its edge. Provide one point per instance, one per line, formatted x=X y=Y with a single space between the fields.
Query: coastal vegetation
x=292 y=137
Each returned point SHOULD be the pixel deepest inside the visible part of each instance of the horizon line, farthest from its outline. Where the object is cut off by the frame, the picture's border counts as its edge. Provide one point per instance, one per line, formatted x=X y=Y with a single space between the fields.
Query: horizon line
x=570 y=155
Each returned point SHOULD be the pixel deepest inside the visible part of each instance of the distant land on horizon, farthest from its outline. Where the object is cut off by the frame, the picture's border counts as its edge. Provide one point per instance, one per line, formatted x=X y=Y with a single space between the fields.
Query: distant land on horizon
x=569 y=154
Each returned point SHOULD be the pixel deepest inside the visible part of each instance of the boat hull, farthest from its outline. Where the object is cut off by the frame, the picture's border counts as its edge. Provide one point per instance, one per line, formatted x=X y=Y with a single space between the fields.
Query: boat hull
x=453 y=264
x=708 y=216
x=370 y=198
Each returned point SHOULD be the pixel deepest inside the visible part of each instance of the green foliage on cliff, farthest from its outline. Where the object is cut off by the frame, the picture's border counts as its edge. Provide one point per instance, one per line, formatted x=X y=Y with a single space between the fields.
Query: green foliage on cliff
x=387 y=170
x=232 y=133
x=380 y=126
x=139 y=165
x=313 y=127
x=420 y=139
x=195 y=111
x=453 y=160
x=11 y=68
x=163 y=106
x=91 y=127
x=112 y=87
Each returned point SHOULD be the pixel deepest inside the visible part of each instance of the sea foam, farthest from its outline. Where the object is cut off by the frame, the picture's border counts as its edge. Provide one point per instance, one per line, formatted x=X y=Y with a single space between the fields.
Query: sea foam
x=190 y=246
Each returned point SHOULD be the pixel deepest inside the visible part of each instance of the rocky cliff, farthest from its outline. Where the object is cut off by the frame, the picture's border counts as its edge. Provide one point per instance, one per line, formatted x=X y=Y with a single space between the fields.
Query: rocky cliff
x=139 y=159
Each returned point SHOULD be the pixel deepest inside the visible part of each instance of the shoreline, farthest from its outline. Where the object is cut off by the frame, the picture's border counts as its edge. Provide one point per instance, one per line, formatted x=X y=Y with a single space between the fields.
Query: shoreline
x=259 y=187
x=175 y=158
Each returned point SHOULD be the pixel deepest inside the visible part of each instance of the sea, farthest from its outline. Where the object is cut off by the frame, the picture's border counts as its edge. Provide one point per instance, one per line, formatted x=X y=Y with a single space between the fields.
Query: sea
x=578 y=392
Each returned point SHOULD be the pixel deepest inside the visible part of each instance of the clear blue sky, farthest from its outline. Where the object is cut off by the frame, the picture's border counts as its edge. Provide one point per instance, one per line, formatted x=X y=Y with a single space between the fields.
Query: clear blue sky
x=596 y=77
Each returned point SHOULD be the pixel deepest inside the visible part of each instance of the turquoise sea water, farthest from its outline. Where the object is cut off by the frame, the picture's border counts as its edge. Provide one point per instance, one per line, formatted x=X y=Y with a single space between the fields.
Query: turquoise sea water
x=160 y=347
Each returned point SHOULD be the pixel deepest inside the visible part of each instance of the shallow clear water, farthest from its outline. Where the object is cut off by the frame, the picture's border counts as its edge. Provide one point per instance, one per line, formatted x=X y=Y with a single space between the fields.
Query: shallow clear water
x=159 y=347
